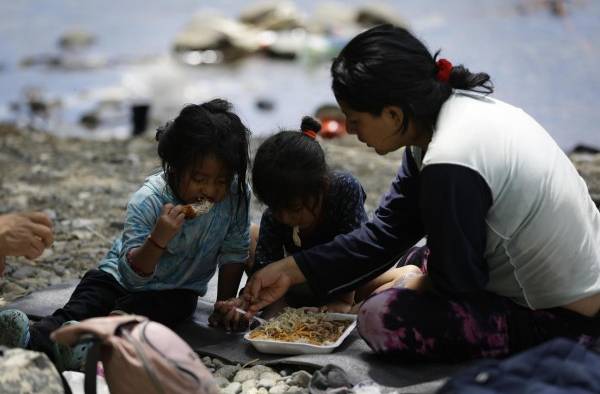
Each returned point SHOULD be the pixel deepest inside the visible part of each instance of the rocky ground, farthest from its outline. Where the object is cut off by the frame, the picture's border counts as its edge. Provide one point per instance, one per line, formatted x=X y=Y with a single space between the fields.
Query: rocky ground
x=84 y=186
x=257 y=379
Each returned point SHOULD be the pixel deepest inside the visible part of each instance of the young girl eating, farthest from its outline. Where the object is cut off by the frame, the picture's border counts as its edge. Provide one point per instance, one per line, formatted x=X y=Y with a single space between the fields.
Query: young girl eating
x=162 y=262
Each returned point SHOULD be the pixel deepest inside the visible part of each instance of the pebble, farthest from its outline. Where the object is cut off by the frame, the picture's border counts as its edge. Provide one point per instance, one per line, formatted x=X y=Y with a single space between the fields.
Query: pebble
x=299 y=378
x=23 y=272
x=270 y=376
x=228 y=371
x=232 y=388
x=221 y=381
x=297 y=390
x=280 y=388
x=207 y=361
x=249 y=384
x=244 y=375
x=259 y=368
x=267 y=383
x=218 y=363
x=11 y=287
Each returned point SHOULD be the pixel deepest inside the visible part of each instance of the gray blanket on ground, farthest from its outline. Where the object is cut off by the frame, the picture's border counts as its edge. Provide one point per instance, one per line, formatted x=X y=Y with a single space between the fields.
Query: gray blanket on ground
x=353 y=356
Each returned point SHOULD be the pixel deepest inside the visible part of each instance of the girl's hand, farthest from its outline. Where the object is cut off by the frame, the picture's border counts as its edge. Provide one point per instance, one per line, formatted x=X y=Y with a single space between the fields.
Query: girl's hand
x=168 y=224
x=226 y=316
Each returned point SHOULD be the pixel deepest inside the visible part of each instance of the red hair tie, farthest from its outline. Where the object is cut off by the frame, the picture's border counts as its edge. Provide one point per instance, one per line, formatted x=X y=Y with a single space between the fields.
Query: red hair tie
x=310 y=134
x=444 y=69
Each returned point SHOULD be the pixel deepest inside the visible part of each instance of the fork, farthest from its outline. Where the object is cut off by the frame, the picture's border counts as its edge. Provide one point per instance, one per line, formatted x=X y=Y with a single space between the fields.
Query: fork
x=258 y=319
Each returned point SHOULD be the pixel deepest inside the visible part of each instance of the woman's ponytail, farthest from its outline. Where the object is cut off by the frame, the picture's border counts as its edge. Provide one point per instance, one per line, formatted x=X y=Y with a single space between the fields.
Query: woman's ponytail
x=459 y=77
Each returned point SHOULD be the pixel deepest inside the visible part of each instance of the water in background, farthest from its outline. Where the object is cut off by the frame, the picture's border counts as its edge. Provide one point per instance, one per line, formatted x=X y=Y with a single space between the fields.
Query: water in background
x=542 y=63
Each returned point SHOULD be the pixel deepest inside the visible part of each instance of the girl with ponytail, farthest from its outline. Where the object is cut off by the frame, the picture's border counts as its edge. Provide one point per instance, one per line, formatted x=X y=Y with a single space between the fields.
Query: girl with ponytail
x=512 y=254
x=307 y=205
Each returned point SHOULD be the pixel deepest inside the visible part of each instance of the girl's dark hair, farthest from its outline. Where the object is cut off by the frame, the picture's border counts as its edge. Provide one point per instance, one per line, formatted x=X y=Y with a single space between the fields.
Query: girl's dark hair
x=290 y=166
x=387 y=65
x=200 y=131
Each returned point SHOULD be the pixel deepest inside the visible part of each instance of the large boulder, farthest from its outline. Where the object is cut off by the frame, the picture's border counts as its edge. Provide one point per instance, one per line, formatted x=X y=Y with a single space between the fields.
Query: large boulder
x=272 y=15
x=229 y=39
x=377 y=14
x=76 y=39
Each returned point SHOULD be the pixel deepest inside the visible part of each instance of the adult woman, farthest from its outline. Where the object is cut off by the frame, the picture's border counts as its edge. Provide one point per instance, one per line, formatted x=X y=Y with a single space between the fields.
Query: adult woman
x=513 y=236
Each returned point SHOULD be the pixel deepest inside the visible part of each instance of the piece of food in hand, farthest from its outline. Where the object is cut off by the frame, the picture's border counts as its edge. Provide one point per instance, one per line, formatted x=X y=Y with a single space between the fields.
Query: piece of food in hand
x=190 y=211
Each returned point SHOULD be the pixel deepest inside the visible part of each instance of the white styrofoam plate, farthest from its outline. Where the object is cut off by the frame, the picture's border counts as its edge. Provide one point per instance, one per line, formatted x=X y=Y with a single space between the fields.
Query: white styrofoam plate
x=283 y=347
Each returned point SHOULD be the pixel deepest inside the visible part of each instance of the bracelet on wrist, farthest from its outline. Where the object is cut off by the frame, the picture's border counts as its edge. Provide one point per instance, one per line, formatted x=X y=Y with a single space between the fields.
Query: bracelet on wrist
x=153 y=242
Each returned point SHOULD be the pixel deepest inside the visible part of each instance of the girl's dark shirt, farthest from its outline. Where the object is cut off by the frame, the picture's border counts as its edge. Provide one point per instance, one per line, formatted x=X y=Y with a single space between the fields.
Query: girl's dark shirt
x=343 y=211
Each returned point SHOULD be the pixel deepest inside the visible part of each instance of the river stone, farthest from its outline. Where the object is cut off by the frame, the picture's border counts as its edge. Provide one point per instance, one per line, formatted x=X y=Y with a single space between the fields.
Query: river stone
x=221 y=381
x=297 y=390
x=245 y=374
x=232 y=388
x=218 y=363
x=259 y=368
x=228 y=371
x=249 y=384
x=13 y=288
x=23 y=272
x=267 y=383
x=207 y=361
x=299 y=378
x=270 y=375
x=279 y=388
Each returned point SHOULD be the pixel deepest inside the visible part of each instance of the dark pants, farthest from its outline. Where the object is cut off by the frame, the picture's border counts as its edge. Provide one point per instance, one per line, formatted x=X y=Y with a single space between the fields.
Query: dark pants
x=99 y=293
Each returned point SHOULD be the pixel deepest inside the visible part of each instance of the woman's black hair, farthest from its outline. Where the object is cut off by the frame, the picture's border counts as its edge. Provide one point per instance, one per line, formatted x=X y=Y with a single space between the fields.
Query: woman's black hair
x=387 y=65
x=200 y=131
x=290 y=166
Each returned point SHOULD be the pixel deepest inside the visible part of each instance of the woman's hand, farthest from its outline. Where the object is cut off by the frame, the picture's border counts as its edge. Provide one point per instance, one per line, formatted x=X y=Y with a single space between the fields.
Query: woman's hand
x=271 y=283
x=168 y=224
x=226 y=316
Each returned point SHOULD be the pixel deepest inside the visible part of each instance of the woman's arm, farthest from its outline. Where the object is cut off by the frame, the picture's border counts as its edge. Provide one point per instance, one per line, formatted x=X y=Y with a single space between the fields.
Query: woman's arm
x=455 y=201
x=355 y=258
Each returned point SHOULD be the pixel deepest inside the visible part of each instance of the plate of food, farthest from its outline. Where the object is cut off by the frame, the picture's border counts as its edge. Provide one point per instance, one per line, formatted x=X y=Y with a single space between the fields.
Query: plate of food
x=302 y=331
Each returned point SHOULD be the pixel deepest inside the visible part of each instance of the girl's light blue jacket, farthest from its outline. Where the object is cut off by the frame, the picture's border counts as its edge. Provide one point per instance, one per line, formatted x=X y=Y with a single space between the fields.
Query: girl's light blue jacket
x=218 y=237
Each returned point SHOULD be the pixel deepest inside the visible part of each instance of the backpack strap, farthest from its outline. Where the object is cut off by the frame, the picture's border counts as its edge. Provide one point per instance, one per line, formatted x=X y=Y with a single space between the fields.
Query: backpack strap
x=91 y=366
